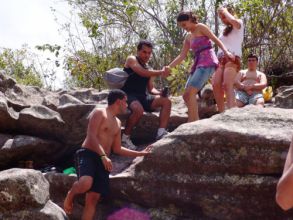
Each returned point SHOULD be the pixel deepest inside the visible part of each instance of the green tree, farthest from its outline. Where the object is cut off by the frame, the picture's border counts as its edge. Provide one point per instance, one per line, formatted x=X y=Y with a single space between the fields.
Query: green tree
x=269 y=33
x=15 y=64
x=87 y=69
x=114 y=27
x=118 y=26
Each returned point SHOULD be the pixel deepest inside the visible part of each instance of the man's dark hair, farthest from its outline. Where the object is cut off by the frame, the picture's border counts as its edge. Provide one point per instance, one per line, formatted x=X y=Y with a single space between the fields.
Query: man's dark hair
x=252 y=55
x=144 y=43
x=114 y=95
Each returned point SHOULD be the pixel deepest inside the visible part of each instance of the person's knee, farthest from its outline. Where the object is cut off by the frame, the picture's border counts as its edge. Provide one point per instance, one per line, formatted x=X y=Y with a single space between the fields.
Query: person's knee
x=216 y=79
x=228 y=85
x=190 y=93
x=215 y=85
x=84 y=183
x=239 y=104
x=284 y=192
x=137 y=110
x=260 y=102
x=186 y=96
x=92 y=198
x=281 y=201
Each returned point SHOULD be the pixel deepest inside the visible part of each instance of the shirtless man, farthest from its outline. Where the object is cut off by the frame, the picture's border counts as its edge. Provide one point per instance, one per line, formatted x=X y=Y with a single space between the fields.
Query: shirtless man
x=284 y=195
x=250 y=83
x=92 y=160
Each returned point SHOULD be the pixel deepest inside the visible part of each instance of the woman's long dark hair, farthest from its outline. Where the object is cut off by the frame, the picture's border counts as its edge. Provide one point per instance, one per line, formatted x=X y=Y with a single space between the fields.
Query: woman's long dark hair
x=229 y=27
x=186 y=16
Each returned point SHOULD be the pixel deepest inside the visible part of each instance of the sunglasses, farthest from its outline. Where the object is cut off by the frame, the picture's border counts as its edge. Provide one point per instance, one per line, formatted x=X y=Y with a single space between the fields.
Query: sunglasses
x=251 y=60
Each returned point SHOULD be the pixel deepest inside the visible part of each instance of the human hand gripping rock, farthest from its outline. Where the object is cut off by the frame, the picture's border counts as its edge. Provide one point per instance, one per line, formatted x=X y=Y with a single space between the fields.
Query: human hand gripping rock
x=146 y=151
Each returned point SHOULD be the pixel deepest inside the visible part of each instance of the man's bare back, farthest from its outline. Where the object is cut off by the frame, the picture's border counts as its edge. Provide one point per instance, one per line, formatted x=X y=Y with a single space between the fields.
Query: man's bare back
x=106 y=131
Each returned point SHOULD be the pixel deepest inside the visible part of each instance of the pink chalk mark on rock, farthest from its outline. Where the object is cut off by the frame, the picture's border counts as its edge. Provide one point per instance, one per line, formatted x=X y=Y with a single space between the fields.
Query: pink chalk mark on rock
x=128 y=214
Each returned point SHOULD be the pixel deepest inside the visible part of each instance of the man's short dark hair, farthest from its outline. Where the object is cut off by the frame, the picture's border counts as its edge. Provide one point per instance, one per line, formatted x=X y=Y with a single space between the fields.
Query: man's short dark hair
x=144 y=43
x=114 y=95
x=252 y=55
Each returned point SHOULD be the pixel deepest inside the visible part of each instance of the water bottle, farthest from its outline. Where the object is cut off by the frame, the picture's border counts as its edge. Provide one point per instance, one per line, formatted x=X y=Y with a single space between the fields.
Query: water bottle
x=165 y=91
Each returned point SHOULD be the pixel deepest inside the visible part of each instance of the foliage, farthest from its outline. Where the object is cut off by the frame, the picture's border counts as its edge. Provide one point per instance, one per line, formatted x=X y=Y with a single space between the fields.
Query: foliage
x=269 y=33
x=114 y=27
x=87 y=69
x=179 y=76
x=55 y=49
x=16 y=64
x=50 y=66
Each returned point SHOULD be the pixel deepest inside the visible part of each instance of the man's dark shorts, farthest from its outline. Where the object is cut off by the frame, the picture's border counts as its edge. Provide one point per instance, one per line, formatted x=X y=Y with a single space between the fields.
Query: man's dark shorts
x=145 y=100
x=89 y=163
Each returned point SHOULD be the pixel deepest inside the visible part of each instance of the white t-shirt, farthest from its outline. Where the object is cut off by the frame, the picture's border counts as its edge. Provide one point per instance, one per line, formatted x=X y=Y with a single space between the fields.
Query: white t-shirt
x=233 y=42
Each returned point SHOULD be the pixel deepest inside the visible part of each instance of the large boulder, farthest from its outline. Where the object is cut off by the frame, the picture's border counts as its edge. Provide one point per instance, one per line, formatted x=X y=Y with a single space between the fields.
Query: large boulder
x=285 y=79
x=56 y=122
x=49 y=212
x=284 y=98
x=22 y=189
x=225 y=167
x=24 y=194
x=147 y=127
x=14 y=149
x=59 y=186
x=36 y=120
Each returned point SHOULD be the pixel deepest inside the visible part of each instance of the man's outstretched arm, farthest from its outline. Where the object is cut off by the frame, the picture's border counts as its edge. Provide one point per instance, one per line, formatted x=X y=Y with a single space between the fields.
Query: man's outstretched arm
x=136 y=67
x=118 y=149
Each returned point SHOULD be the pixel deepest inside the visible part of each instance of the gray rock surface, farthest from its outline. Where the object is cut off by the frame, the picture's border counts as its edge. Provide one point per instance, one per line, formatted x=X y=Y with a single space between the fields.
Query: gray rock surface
x=24 y=194
x=284 y=98
x=56 y=122
x=225 y=167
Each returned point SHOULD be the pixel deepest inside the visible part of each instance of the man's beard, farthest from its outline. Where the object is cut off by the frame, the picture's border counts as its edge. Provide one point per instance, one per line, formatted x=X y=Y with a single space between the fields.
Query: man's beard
x=122 y=111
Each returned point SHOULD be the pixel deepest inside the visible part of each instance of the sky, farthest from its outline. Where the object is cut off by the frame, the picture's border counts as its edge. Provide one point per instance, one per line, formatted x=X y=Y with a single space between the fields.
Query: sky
x=32 y=22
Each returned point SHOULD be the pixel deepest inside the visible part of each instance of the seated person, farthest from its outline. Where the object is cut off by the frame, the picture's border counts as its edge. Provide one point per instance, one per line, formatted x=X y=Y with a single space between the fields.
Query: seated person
x=284 y=195
x=141 y=94
x=249 y=84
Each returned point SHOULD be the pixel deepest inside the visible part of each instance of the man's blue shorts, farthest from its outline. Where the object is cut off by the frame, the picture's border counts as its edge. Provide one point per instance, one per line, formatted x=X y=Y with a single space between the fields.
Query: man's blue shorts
x=248 y=99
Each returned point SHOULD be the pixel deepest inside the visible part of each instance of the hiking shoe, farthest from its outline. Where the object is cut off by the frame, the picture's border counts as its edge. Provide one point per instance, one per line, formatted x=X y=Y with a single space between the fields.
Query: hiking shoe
x=162 y=135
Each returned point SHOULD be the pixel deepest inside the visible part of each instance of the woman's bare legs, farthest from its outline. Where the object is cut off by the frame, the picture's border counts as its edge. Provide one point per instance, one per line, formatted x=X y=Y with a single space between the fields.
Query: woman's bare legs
x=189 y=97
x=217 y=82
x=229 y=75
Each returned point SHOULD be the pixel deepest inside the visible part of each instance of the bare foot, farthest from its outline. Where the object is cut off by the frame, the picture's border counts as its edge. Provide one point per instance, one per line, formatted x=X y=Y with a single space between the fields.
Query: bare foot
x=68 y=204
